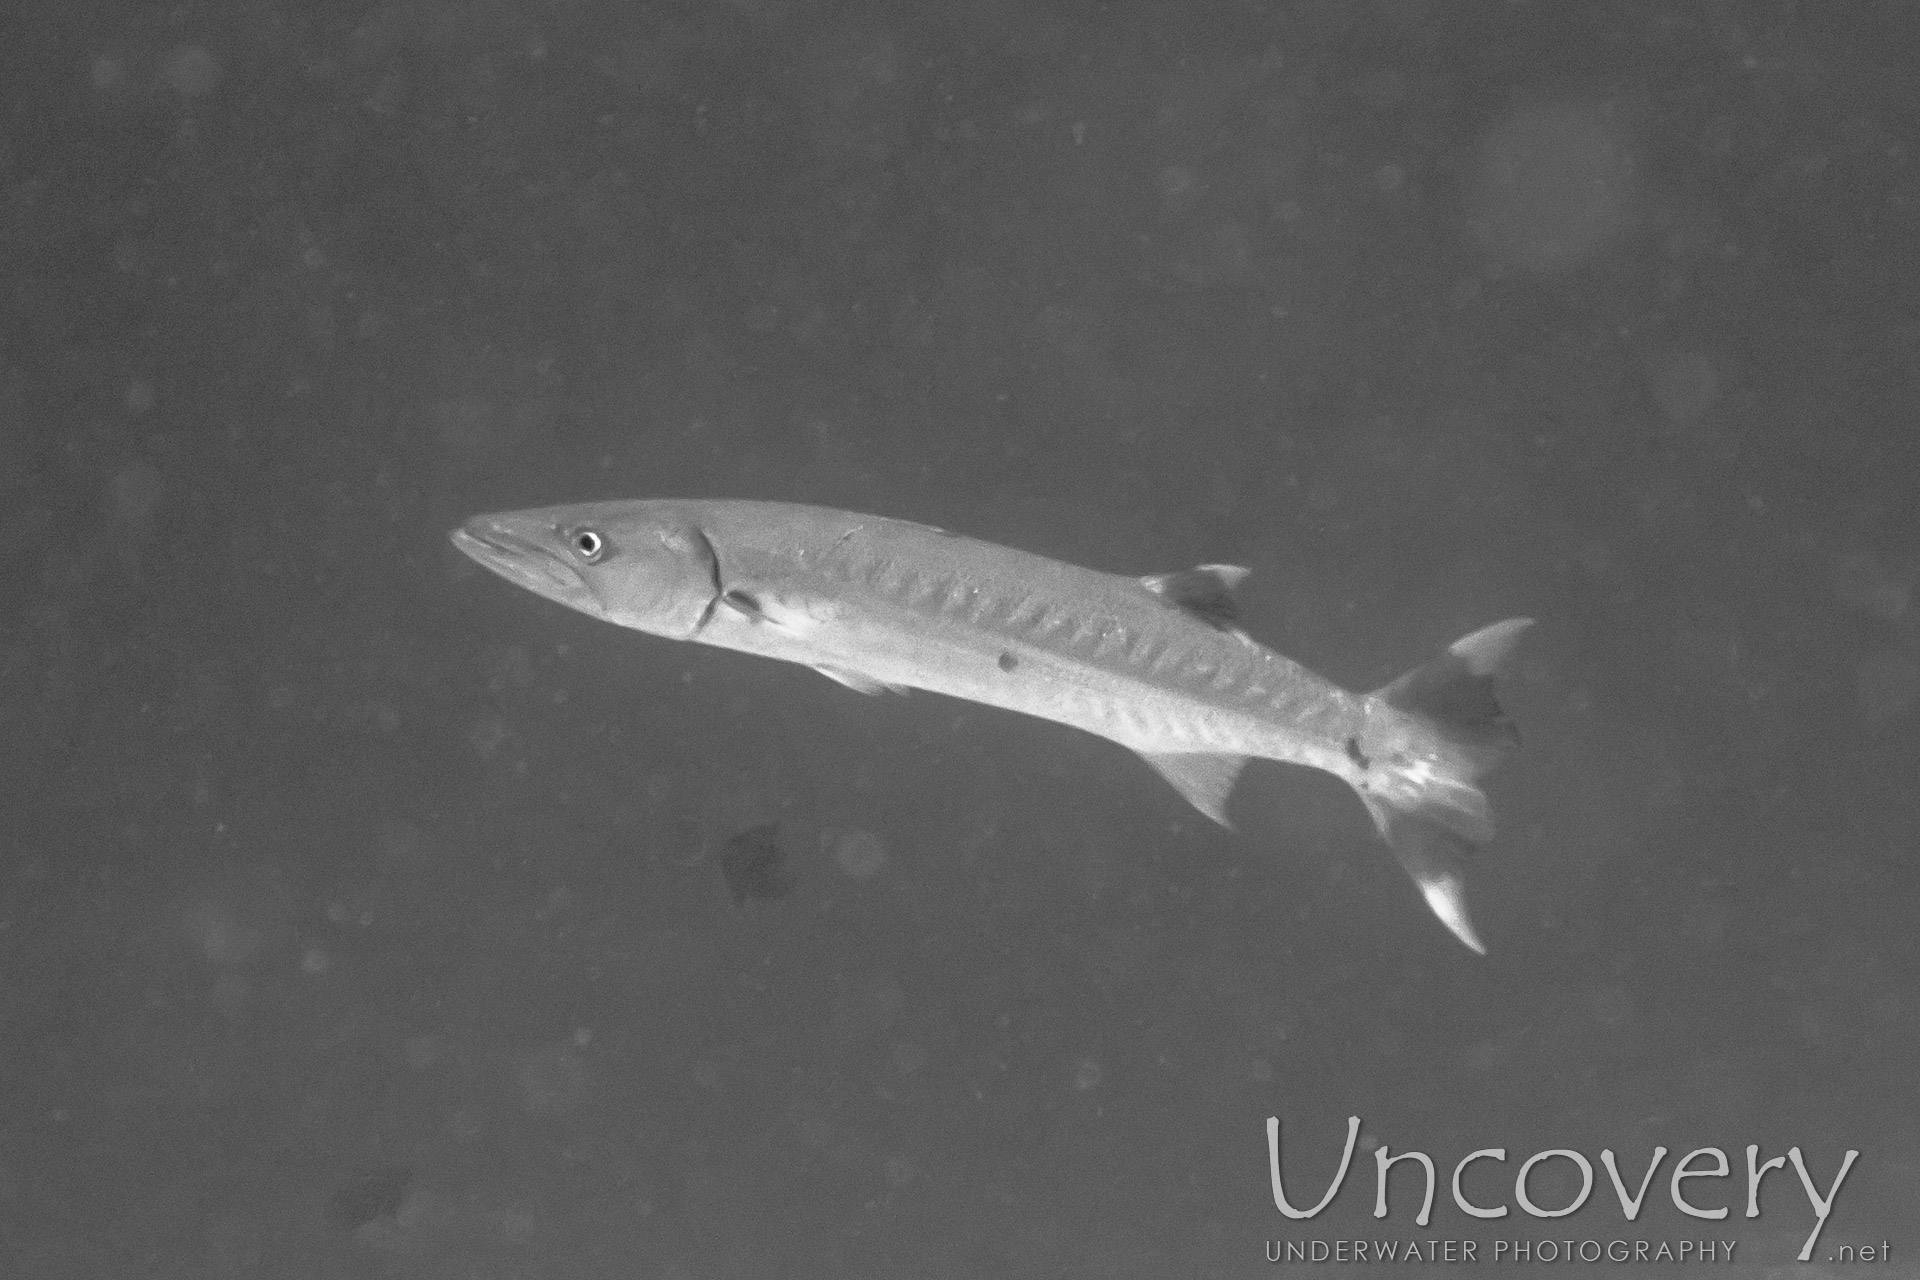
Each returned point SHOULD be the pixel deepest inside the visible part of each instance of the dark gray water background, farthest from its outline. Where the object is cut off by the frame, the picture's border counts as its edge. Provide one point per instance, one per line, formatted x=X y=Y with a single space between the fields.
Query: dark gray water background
x=361 y=915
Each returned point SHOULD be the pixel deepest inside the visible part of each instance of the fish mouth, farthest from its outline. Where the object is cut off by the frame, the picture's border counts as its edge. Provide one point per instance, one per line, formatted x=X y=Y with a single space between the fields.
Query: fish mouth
x=522 y=553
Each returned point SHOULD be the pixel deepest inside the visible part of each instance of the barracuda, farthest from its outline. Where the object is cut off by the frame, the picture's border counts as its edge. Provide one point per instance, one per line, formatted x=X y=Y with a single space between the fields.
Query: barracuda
x=1156 y=664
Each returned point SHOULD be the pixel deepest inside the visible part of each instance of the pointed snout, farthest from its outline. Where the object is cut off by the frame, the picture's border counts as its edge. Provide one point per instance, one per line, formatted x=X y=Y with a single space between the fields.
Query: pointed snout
x=499 y=531
x=528 y=551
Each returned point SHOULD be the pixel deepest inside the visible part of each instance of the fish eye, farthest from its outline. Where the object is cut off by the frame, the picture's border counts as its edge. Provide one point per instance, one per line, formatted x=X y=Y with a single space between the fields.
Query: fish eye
x=587 y=544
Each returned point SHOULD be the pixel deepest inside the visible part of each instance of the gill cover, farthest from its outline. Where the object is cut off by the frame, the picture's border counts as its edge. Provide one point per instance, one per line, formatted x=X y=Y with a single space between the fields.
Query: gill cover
x=659 y=576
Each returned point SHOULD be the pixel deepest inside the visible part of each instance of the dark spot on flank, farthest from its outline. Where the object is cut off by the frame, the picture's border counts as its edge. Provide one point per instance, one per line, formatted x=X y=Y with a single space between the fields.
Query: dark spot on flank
x=1354 y=753
x=743 y=601
x=755 y=865
x=1008 y=662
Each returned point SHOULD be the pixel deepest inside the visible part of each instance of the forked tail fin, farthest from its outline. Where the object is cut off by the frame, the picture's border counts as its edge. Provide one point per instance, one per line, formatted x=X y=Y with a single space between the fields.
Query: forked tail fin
x=1422 y=796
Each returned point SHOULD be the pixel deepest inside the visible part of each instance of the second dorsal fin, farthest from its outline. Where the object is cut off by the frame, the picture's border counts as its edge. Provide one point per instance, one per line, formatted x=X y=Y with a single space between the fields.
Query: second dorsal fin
x=1205 y=591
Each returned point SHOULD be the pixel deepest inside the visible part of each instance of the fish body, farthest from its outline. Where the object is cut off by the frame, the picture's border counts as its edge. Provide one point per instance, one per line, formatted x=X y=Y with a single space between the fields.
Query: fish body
x=1155 y=664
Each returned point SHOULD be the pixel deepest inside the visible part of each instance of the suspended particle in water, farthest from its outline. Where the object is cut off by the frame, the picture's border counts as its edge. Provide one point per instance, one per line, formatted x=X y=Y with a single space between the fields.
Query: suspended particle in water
x=192 y=71
x=858 y=853
x=109 y=72
x=378 y=1192
x=420 y=1051
x=754 y=864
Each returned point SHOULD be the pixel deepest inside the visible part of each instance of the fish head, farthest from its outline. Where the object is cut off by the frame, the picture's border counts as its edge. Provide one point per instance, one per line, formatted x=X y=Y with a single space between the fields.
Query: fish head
x=642 y=565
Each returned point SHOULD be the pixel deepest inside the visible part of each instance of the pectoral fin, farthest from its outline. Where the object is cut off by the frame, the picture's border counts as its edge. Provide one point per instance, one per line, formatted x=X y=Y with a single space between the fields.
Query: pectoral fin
x=854 y=680
x=762 y=610
x=1205 y=780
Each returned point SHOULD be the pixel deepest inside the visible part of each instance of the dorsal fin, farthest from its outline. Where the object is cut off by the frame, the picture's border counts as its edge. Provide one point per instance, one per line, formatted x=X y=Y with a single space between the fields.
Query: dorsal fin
x=1205 y=591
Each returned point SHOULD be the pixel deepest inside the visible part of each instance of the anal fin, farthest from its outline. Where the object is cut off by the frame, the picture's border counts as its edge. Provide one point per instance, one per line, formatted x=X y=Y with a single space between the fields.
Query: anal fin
x=1205 y=779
